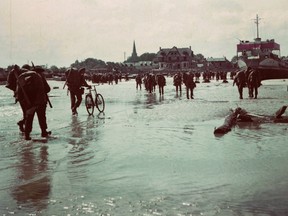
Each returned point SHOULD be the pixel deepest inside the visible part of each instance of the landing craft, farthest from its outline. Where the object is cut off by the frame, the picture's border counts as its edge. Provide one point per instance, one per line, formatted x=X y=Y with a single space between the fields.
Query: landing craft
x=262 y=55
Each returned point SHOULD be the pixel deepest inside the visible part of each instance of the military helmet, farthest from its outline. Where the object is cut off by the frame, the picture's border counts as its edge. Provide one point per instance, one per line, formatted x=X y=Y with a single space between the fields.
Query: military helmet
x=38 y=69
x=26 y=66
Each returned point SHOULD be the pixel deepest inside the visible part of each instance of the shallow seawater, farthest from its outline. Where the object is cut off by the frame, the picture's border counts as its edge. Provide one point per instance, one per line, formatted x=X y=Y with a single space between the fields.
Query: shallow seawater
x=147 y=155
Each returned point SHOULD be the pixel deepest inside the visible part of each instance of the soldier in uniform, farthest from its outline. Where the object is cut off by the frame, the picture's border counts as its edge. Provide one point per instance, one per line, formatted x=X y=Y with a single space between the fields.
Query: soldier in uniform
x=32 y=90
x=190 y=85
x=12 y=85
x=138 y=80
x=240 y=81
x=161 y=81
x=75 y=81
x=177 y=82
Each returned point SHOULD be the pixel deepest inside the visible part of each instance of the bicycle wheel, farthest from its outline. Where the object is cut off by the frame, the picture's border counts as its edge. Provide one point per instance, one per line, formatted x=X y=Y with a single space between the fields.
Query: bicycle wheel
x=100 y=103
x=89 y=103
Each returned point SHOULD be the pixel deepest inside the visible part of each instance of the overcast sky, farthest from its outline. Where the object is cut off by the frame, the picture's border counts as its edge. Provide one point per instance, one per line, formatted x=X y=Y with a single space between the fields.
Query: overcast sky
x=58 y=32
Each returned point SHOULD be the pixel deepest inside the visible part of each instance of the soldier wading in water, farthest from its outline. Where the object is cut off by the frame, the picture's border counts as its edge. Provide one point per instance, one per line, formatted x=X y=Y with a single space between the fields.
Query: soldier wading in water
x=75 y=80
x=12 y=85
x=32 y=89
x=240 y=81
x=190 y=85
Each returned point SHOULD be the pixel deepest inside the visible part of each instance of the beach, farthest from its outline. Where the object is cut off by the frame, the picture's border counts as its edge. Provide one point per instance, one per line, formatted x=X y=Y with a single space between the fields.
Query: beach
x=147 y=154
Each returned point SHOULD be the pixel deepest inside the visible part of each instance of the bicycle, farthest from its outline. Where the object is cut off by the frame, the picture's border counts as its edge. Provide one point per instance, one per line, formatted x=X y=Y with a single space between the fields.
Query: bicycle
x=91 y=102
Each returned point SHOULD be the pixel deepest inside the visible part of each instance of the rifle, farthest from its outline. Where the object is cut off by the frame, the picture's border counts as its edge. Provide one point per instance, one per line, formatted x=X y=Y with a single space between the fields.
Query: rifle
x=48 y=100
x=65 y=84
x=67 y=78
x=47 y=96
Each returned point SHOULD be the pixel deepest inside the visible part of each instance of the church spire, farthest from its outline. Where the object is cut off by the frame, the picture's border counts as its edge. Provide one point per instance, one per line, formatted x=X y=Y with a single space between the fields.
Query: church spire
x=134 y=57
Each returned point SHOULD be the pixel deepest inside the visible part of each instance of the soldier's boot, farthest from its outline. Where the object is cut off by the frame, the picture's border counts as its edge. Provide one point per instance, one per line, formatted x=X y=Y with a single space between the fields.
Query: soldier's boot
x=74 y=111
x=21 y=125
x=46 y=133
x=27 y=136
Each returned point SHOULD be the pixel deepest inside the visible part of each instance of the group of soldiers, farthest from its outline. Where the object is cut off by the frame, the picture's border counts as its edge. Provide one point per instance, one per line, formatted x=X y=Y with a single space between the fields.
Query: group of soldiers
x=106 y=78
x=151 y=81
x=244 y=78
x=188 y=80
x=31 y=90
x=210 y=75
x=247 y=78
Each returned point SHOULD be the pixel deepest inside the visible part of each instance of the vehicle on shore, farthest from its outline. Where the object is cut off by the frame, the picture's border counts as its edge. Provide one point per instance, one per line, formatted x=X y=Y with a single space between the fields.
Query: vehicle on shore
x=263 y=55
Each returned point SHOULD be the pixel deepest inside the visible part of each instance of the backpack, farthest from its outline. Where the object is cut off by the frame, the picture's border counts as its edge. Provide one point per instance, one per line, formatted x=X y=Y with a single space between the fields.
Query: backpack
x=73 y=77
x=11 y=82
x=31 y=88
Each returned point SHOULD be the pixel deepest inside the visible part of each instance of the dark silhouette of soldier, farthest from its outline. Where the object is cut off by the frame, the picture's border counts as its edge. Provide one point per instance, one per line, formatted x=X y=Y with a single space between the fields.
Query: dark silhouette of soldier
x=177 y=81
x=32 y=90
x=75 y=81
x=12 y=85
x=190 y=85
x=240 y=81
x=253 y=83
x=161 y=81
x=138 y=80
x=150 y=82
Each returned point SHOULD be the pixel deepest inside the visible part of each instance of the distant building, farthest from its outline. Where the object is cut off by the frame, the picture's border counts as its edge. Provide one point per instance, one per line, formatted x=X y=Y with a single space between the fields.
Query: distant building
x=174 y=58
x=134 y=56
x=218 y=63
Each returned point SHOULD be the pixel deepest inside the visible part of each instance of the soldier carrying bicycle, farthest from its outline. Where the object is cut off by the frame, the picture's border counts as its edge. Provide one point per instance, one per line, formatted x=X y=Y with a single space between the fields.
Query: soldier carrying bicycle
x=75 y=81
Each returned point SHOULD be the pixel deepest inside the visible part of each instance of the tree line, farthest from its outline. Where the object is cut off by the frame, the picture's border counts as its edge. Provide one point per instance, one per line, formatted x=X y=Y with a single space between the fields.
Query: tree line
x=93 y=63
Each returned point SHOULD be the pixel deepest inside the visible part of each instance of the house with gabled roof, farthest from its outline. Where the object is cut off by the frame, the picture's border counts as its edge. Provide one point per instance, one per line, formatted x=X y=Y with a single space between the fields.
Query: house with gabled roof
x=218 y=63
x=174 y=58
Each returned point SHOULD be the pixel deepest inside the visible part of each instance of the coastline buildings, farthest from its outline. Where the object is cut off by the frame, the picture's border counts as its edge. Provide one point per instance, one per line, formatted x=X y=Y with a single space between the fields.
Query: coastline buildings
x=218 y=63
x=174 y=58
x=177 y=59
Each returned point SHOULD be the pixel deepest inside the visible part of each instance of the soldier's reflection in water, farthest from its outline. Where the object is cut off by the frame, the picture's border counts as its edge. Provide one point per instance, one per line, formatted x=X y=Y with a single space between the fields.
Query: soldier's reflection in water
x=151 y=100
x=33 y=188
x=161 y=98
x=76 y=127
x=178 y=95
x=79 y=154
x=84 y=135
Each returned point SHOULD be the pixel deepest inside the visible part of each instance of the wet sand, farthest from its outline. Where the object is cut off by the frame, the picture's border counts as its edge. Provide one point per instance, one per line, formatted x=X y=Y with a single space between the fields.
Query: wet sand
x=147 y=155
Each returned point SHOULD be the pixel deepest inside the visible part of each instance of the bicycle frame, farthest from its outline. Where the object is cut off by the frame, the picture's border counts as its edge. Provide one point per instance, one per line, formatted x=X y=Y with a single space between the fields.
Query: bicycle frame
x=93 y=89
x=97 y=100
